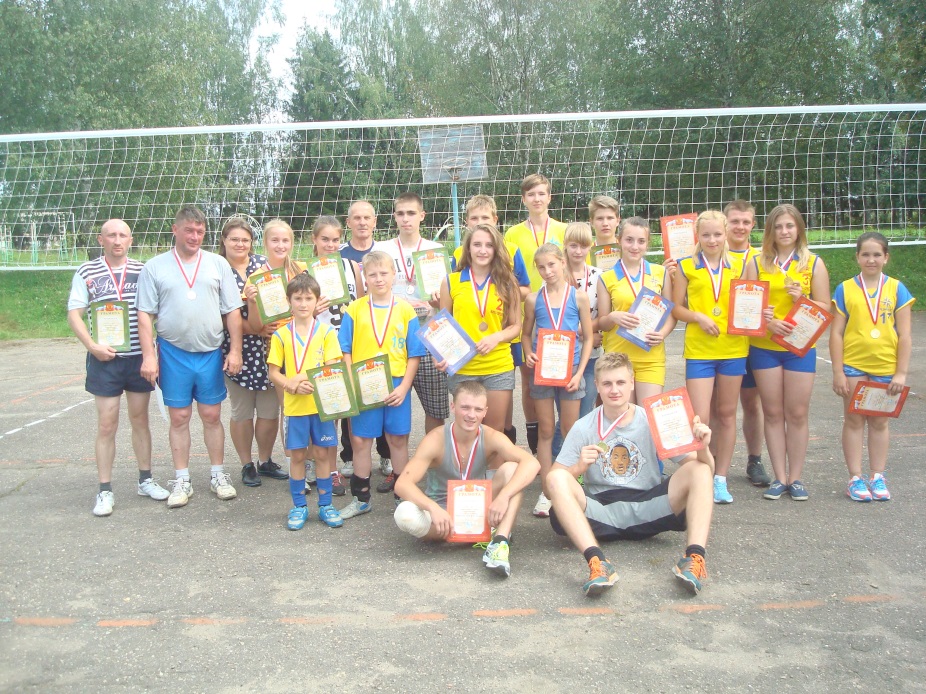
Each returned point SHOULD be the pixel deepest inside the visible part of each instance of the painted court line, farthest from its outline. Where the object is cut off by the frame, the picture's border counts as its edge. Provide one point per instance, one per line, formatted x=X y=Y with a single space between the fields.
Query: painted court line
x=421 y=617
x=39 y=421
x=126 y=622
x=795 y=605
x=504 y=613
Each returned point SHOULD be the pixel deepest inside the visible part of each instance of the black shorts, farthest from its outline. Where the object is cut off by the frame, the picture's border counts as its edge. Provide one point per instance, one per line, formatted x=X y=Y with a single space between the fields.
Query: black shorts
x=109 y=379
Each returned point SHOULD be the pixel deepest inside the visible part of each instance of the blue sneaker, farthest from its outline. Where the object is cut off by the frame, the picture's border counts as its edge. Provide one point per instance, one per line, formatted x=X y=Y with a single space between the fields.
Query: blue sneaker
x=721 y=495
x=691 y=571
x=602 y=575
x=878 y=487
x=297 y=517
x=797 y=491
x=858 y=490
x=775 y=490
x=329 y=516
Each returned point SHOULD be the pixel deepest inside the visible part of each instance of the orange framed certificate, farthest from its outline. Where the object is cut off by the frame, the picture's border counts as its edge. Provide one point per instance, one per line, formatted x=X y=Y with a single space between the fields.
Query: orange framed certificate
x=872 y=400
x=670 y=416
x=678 y=235
x=809 y=321
x=555 y=352
x=468 y=504
x=748 y=299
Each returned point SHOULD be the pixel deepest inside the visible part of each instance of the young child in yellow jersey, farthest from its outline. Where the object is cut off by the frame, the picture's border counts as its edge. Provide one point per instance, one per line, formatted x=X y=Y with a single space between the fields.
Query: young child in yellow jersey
x=871 y=341
x=714 y=361
x=785 y=380
x=305 y=343
x=376 y=325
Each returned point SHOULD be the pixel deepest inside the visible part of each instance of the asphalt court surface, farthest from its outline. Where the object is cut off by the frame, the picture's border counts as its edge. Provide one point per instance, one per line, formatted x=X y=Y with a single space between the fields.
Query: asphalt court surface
x=219 y=596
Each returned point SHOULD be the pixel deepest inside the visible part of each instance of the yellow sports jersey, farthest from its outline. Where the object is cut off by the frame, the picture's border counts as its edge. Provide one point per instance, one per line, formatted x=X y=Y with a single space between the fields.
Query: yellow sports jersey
x=399 y=337
x=523 y=237
x=742 y=258
x=323 y=347
x=700 y=298
x=622 y=297
x=466 y=313
x=778 y=297
x=876 y=356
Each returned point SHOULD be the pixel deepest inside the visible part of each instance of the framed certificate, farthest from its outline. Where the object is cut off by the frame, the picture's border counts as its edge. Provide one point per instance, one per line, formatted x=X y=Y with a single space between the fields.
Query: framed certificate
x=333 y=394
x=748 y=299
x=555 y=350
x=468 y=504
x=447 y=341
x=653 y=311
x=809 y=321
x=328 y=271
x=431 y=267
x=372 y=382
x=670 y=415
x=678 y=235
x=871 y=399
x=109 y=322
x=605 y=257
x=271 y=295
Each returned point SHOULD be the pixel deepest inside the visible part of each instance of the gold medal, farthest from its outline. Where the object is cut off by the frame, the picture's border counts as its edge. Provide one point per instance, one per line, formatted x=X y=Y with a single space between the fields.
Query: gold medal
x=716 y=311
x=875 y=333
x=483 y=327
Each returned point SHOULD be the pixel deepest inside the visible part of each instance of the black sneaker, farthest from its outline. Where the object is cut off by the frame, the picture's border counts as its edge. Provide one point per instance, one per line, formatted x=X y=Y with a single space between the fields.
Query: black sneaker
x=272 y=470
x=756 y=473
x=249 y=475
x=337 y=484
x=387 y=485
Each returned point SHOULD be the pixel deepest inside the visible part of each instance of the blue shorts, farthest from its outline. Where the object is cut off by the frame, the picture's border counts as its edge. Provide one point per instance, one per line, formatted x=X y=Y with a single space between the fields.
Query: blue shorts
x=188 y=376
x=749 y=380
x=109 y=379
x=390 y=420
x=770 y=358
x=517 y=353
x=708 y=368
x=301 y=430
x=852 y=372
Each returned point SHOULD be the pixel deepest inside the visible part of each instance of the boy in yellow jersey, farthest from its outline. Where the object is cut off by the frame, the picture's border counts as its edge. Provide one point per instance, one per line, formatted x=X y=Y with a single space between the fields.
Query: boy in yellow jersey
x=539 y=228
x=305 y=343
x=372 y=326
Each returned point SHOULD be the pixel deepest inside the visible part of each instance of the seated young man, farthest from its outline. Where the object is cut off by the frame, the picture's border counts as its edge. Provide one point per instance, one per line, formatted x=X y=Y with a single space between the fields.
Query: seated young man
x=465 y=449
x=625 y=496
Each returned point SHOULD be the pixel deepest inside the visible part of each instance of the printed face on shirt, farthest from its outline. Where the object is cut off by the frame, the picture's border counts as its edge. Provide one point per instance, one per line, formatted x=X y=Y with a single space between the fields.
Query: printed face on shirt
x=739 y=226
x=408 y=216
x=620 y=460
x=189 y=236
x=116 y=239
x=361 y=220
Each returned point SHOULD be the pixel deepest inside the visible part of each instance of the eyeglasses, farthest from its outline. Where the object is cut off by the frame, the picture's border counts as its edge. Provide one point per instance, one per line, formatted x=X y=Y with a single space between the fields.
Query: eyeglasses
x=239 y=241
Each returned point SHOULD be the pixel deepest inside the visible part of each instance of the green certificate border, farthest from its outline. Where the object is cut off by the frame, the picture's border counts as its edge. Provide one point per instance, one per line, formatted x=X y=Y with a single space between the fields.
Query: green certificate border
x=596 y=250
x=265 y=318
x=357 y=367
x=338 y=369
x=345 y=293
x=416 y=261
x=123 y=306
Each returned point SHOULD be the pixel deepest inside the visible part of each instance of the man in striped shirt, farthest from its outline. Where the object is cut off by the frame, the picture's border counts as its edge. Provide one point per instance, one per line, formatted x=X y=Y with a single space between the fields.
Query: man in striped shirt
x=107 y=286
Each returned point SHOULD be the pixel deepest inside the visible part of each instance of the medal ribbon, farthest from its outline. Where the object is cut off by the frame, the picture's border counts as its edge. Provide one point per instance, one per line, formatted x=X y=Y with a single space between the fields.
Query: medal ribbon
x=633 y=289
x=786 y=264
x=715 y=286
x=121 y=283
x=305 y=351
x=872 y=310
x=456 y=454
x=545 y=225
x=199 y=259
x=481 y=305
x=602 y=435
x=562 y=307
x=376 y=333
x=409 y=273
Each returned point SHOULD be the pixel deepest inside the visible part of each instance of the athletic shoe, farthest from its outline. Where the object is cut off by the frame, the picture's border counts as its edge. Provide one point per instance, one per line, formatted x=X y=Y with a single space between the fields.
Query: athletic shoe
x=602 y=575
x=385 y=467
x=298 y=515
x=496 y=558
x=858 y=490
x=310 y=477
x=347 y=468
x=691 y=571
x=329 y=516
x=222 y=487
x=250 y=476
x=355 y=508
x=797 y=491
x=180 y=493
x=543 y=506
x=721 y=495
x=775 y=490
x=272 y=470
x=151 y=488
x=387 y=485
x=878 y=487
x=104 y=504
x=337 y=484
x=756 y=473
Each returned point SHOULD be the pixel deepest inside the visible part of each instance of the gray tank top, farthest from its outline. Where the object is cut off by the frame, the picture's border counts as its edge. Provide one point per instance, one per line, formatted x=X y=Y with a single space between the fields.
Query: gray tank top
x=436 y=487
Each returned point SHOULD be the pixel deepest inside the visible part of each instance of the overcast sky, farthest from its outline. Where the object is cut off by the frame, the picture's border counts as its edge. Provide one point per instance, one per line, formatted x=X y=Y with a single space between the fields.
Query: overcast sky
x=297 y=12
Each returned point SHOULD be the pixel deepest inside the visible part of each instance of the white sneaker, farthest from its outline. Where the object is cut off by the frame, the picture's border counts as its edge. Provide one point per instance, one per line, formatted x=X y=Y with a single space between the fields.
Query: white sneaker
x=310 y=477
x=151 y=488
x=385 y=466
x=543 y=506
x=347 y=469
x=355 y=508
x=222 y=487
x=104 y=504
x=180 y=493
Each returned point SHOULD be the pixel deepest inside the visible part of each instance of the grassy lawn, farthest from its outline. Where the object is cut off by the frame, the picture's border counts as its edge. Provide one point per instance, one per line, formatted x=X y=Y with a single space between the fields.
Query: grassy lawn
x=34 y=304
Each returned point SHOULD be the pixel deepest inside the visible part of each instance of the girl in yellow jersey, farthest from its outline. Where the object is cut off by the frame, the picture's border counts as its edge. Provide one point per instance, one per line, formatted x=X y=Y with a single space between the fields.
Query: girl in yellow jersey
x=870 y=341
x=484 y=299
x=785 y=381
x=701 y=296
x=617 y=290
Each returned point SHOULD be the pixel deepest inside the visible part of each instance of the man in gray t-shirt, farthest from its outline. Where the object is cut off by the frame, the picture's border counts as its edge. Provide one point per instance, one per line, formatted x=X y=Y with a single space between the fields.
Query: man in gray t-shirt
x=193 y=297
x=625 y=495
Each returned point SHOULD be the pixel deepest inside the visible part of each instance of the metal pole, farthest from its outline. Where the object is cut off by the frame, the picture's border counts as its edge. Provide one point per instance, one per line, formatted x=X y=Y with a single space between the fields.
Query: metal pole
x=456 y=213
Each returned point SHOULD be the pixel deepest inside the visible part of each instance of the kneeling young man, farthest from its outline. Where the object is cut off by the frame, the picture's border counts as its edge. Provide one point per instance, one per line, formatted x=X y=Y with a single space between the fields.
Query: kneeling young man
x=465 y=449
x=625 y=496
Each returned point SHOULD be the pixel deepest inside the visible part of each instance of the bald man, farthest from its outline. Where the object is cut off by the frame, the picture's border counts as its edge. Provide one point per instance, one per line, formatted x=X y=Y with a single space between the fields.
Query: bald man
x=106 y=287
